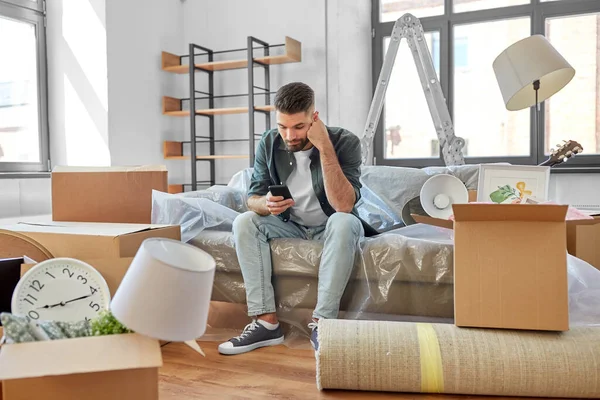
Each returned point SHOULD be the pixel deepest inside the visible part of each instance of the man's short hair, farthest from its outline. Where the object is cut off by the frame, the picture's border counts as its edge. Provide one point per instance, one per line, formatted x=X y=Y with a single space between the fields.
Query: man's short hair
x=294 y=98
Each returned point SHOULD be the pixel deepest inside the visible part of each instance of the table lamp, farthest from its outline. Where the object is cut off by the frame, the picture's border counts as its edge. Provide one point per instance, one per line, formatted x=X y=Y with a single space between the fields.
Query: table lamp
x=166 y=292
x=529 y=72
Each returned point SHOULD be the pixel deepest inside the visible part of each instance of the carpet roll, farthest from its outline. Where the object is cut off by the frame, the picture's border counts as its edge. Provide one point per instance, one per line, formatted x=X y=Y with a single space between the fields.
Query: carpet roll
x=442 y=358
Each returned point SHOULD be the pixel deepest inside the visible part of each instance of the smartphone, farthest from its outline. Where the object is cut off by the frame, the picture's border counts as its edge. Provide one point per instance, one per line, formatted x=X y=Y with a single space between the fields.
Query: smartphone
x=280 y=190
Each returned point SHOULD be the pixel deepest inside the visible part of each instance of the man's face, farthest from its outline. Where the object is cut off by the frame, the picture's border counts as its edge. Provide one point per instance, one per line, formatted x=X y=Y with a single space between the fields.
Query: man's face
x=293 y=128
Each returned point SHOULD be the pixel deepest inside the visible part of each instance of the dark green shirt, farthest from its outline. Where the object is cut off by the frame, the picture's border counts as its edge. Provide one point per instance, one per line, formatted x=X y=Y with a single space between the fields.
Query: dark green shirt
x=274 y=163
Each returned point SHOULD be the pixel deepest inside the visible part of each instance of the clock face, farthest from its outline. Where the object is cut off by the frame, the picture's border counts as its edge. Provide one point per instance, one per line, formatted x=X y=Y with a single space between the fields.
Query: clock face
x=61 y=289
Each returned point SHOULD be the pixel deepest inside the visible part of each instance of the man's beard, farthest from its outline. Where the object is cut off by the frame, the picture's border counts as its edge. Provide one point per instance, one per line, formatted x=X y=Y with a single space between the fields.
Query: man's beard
x=297 y=146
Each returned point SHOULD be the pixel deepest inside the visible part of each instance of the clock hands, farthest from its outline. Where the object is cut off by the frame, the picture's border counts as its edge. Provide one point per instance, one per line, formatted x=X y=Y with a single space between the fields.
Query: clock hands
x=63 y=303
x=79 y=298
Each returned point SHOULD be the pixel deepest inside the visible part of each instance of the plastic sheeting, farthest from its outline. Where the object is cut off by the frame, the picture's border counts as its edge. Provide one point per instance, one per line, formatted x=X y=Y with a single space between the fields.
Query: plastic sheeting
x=197 y=211
x=404 y=274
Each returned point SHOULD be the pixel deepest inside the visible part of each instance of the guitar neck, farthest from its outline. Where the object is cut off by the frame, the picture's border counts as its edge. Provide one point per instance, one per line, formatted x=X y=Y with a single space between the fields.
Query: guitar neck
x=548 y=163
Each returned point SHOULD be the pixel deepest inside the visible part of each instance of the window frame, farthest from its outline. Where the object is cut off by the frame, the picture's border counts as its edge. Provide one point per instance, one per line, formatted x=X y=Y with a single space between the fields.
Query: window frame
x=538 y=12
x=37 y=5
x=15 y=9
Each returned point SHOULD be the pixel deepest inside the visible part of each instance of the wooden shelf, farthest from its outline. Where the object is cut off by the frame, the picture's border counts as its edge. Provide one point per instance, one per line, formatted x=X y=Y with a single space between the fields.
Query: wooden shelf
x=172 y=107
x=174 y=151
x=293 y=54
x=175 y=188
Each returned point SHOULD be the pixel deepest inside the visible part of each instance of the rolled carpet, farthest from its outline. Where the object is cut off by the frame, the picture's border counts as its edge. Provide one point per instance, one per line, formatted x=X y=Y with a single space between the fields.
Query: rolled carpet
x=442 y=358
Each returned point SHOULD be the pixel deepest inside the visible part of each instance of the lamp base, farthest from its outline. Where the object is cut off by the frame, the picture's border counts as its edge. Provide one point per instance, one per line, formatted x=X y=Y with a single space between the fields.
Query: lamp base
x=194 y=345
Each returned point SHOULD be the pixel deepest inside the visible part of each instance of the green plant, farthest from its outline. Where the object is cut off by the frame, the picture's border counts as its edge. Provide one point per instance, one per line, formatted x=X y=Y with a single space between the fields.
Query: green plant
x=107 y=324
x=503 y=193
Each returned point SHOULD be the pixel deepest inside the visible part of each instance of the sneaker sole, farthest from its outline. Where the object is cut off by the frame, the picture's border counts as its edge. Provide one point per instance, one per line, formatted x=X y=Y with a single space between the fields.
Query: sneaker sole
x=250 y=347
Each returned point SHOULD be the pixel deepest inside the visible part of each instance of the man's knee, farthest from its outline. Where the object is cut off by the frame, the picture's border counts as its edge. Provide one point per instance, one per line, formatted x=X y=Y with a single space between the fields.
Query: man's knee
x=344 y=222
x=245 y=222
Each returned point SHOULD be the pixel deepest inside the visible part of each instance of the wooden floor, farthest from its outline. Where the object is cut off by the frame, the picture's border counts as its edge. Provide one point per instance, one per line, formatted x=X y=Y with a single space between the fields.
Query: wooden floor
x=272 y=373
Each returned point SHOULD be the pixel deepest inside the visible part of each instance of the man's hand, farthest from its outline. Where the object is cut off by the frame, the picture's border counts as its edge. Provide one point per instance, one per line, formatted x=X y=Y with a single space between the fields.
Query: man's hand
x=276 y=204
x=317 y=134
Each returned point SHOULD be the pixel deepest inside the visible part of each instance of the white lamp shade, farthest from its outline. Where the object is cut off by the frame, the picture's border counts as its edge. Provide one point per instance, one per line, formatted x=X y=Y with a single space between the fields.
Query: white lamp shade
x=166 y=291
x=526 y=61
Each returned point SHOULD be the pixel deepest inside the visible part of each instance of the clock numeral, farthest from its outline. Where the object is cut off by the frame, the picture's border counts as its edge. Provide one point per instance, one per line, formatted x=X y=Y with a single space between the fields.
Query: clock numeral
x=81 y=278
x=36 y=285
x=29 y=301
x=93 y=289
x=48 y=273
x=33 y=315
x=95 y=306
x=68 y=271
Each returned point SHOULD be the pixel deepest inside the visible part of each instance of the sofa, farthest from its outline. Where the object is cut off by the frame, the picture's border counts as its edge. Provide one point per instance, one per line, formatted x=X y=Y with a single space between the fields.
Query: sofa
x=403 y=271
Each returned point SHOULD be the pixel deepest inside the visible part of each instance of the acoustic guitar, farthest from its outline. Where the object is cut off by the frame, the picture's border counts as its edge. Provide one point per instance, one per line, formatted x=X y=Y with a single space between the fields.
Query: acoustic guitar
x=561 y=154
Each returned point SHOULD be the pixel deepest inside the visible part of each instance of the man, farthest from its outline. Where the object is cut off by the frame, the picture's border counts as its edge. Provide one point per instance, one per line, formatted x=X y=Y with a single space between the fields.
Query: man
x=321 y=168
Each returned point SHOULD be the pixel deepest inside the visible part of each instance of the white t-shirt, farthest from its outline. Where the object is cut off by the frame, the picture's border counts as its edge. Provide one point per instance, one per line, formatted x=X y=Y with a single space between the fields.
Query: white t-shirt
x=307 y=210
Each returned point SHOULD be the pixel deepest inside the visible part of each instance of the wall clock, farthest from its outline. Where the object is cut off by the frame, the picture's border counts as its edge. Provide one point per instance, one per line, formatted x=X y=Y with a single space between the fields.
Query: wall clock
x=61 y=289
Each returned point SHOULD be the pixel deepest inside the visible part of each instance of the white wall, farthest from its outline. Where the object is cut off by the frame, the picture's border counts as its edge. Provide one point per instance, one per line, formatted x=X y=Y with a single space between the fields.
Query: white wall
x=137 y=33
x=77 y=82
x=24 y=197
x=349 y=88
x=215 y=25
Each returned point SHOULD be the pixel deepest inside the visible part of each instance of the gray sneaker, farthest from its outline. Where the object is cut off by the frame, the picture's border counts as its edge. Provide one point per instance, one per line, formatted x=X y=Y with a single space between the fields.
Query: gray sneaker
x=253 y=336
x=314 y=335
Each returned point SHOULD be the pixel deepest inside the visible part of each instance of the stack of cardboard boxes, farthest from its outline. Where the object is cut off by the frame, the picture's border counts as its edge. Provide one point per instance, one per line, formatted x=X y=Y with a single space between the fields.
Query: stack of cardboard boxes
x=100 y=216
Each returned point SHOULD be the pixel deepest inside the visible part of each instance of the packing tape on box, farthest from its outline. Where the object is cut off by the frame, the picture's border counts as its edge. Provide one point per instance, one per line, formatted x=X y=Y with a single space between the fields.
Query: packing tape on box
x=432 y=373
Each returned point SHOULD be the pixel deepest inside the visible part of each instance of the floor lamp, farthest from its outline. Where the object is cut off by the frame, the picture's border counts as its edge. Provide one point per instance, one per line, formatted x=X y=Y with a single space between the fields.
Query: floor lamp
x=529 y=72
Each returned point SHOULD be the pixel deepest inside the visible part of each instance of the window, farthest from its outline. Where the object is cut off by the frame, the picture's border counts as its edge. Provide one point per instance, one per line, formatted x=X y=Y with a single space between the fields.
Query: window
x=407 y=133
x=23 y=87
x=464 y=37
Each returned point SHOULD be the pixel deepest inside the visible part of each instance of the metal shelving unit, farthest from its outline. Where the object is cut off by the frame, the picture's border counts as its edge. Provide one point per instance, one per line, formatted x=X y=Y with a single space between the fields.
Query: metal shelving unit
x=174 y=106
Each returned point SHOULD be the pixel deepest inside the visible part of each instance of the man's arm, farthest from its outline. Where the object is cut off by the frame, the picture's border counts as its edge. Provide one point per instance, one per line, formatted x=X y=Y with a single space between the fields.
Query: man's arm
x=258 y=204
x=340 y=192
x=259 y=183
x=259 y=198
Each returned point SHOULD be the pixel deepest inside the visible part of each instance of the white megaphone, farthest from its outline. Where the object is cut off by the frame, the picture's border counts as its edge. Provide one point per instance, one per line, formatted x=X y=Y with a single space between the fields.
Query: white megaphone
x=440 y=192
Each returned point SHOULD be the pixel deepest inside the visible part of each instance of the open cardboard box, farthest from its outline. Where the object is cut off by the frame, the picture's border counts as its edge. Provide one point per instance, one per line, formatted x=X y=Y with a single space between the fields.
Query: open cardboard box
x=510 y=266
x=91 y=240
x=106 y=194
x=122 y=366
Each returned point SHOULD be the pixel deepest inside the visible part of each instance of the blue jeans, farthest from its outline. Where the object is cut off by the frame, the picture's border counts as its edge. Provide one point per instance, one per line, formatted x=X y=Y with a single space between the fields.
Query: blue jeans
x=341 y=235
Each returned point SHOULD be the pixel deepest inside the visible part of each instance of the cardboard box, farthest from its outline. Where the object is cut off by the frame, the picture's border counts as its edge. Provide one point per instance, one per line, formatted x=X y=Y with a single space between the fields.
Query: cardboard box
x=93 y=368
x=510 y=266
x=93 y=240
x=106 y=194
x=583 y=240
x=112 y=270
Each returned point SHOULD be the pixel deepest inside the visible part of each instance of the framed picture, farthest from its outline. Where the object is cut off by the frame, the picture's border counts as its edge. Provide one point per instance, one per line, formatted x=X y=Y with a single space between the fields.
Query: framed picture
x=511 y=184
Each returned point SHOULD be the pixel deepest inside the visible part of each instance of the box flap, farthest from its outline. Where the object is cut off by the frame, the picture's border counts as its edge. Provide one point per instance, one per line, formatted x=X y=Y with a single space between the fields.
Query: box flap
x=79 y=355
x=510 y=212
x=81 y=228
x=442 y=223
x=135 y=168
x=577 y=222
